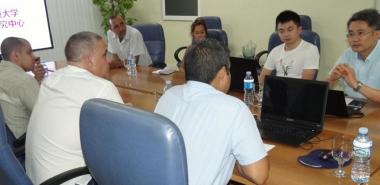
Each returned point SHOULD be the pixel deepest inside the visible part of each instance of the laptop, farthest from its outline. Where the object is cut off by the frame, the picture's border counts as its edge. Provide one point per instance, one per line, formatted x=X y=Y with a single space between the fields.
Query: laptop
x=239 y=66
x=292 y=110
x=339 y=105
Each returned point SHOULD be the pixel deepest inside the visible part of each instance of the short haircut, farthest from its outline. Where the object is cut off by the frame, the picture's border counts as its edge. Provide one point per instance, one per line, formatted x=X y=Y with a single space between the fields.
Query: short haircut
x=11 y=44
x=199 y=22
x=204 y=59
x=80 y=44
x=370 y=16
x=286 y=16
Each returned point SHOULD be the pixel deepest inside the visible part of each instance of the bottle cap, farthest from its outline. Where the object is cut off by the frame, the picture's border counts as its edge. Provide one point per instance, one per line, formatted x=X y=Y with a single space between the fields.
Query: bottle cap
x=168 y=82
x=363 y=130
x=248 y=73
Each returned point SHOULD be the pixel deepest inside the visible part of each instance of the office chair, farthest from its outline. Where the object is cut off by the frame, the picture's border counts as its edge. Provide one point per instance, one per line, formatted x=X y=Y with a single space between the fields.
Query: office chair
x=305 y=22
x=212 y=22
x=154 y=39
x=274 y=40
x=125 y=145
x=12 y=172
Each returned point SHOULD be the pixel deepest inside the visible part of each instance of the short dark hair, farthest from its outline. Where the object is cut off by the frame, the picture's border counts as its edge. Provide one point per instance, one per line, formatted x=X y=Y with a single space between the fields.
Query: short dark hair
x=286 y=16
x=80 y=44
x=204 y=59
x=370 y=16
x=11 y=44
x=199 y=22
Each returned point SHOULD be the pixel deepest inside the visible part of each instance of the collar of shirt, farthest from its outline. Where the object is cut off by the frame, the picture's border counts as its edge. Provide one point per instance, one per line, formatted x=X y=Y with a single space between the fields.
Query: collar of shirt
x=195 y=88
x=12 y=65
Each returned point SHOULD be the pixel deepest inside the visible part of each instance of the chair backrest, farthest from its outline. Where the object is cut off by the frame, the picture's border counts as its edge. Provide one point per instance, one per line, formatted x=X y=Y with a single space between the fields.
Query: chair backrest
x=219 y=35
x=11 y=171
x=309 y=36
x=125 y=145
x=212 y=22
x=306 y=22
x=154 y=39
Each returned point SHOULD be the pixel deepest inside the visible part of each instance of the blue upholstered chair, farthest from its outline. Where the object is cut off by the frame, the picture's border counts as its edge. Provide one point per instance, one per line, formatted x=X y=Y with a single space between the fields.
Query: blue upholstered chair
x=154 y=39
x=13 y=173
x=274 y=40
x=212 y=22
x=306 y=22
x=219 y=35
x=125 y=145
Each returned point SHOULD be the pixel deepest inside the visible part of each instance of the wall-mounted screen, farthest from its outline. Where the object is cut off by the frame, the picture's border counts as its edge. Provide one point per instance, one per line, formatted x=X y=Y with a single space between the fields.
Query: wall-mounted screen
x=27 y=19
x=180 y=9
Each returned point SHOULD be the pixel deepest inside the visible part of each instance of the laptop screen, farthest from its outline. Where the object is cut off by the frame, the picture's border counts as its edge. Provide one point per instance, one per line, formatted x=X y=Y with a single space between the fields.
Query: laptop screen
x=294 y=100
x=238 y=68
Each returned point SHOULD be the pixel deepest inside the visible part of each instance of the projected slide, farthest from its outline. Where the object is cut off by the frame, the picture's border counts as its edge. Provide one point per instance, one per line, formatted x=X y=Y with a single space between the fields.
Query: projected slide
x=27 y=19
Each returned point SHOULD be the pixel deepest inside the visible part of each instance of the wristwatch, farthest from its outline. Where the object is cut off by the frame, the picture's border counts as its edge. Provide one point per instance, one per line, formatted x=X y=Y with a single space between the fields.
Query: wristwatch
x=358 y=86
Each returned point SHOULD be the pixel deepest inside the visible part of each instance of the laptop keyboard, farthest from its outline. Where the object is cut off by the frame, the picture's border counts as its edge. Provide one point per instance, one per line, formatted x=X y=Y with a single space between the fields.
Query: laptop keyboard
x=277 y=131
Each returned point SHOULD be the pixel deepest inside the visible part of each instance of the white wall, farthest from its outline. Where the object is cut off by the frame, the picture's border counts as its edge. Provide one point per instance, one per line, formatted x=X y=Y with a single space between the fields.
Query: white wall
x=245 y=20
x=67 y=17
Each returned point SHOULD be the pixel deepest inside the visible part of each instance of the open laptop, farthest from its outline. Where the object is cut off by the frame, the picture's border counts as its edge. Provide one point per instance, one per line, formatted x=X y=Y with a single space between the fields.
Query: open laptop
x=339 y=105
x=292 y=110
x=238 y=68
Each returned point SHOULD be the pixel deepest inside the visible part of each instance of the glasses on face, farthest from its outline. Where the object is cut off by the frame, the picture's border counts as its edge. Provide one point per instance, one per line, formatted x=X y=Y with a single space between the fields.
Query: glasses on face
x=360 y=34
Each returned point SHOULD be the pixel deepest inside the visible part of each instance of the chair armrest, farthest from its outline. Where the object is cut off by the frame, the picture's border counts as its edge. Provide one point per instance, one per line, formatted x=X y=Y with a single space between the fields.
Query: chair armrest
x=176 y=53
x=65 y=176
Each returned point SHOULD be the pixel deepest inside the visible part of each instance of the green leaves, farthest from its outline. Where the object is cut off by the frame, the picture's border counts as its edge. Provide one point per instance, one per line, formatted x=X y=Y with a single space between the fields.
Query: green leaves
x=114 y=7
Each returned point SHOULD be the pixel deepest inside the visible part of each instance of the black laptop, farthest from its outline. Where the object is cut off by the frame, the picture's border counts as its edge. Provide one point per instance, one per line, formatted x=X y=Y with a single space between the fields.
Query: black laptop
x=338 y=105
x=292 y=110
x=238 y=68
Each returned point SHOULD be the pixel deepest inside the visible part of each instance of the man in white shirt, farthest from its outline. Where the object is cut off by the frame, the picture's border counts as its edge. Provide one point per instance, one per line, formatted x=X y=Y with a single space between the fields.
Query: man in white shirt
x=124 y=40
x=218 y=129
x=52 y=141
x=294 y=58
x=18 y=90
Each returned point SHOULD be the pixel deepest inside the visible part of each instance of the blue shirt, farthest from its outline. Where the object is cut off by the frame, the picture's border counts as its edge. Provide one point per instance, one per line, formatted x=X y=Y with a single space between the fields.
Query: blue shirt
x=218 y=129
x=367 y=71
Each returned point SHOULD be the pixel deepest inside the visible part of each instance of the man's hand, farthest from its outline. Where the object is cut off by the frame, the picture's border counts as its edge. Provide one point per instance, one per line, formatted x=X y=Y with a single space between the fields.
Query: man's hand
x=38 y=71
x=349 y=75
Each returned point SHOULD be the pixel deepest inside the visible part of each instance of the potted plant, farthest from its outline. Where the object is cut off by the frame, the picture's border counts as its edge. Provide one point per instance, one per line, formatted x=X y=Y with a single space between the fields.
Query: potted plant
x=114 y=7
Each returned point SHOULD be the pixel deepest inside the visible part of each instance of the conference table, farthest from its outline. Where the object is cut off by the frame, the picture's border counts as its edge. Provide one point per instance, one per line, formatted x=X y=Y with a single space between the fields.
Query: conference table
x=144 y=91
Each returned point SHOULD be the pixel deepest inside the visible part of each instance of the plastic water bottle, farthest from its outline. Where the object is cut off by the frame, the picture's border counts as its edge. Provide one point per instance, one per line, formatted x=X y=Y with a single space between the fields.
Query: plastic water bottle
x=362 y=150
x=168 y=85
x=132 y=66
x=249 y=89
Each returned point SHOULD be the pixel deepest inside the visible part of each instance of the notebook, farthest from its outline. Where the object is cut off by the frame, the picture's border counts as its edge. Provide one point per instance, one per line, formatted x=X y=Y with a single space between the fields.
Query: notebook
x=292 y=110
x=238 y=68
x=339 y=105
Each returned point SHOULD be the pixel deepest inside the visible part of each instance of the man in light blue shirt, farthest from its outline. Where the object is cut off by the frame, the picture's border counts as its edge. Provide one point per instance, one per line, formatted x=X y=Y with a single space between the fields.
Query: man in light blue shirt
x=358 y=67
x=218 y=129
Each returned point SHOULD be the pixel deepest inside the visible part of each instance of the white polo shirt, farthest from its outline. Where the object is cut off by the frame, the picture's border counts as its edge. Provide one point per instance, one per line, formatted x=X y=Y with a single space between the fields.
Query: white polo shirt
x=132 y=43
x=218 y=129
x=52 y=141
x=292 y=63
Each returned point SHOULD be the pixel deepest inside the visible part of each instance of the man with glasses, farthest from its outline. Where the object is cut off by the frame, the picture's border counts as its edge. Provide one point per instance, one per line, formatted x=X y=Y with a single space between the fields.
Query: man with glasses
x=358 y=67
x=218 y=129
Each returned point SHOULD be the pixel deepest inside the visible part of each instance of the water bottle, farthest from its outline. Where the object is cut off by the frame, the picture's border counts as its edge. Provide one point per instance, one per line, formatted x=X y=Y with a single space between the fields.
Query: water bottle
x=362 y=149
x=249 y=89
x=132 y=66
x=168 y=85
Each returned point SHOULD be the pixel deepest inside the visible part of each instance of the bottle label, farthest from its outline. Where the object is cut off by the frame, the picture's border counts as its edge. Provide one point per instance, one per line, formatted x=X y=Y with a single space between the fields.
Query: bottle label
x=248 y=84
x=362 y=152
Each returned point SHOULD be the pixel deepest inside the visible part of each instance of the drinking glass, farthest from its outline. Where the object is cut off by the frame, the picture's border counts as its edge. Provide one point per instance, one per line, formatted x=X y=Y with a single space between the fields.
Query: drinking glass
x=341 y=152
x=259 y=98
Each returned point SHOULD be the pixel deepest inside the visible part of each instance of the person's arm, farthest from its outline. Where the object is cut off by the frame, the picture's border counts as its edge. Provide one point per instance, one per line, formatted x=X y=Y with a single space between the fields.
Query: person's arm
x=115 y=61
x=348 y=74
x=39 y=72
x=334 y=76
x=257 y=172
x=308 y=74
x=263 y=74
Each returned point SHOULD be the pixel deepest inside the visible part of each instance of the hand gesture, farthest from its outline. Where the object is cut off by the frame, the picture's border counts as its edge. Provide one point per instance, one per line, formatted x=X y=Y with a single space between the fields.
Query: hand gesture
x=38 y=71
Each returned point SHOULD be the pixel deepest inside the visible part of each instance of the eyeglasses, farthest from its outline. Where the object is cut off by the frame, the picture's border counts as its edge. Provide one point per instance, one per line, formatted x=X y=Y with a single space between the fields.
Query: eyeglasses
x=360 y=34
